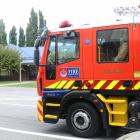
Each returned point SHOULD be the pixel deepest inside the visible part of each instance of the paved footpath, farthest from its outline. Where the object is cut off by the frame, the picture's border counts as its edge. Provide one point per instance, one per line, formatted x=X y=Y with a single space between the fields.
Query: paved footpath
x=131 y=136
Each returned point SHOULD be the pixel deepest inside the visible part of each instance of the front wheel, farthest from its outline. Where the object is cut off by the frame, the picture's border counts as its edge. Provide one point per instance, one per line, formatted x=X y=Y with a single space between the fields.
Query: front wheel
x=82 y=120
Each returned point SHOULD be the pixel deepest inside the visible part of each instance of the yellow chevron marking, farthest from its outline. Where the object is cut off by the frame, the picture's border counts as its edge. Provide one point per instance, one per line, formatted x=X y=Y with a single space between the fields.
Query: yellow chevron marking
x=137 y=86
x=91 y=81
x=100 y=84
x=137 y=74
x=122 y=87
x=51 y=116
x=68 y=85
x=112 y=84
x=74 y=87
x=40 y=107
x=84 y=87
x=52 y=104
x=53 y=86
x=40 y=117
x=61 y=84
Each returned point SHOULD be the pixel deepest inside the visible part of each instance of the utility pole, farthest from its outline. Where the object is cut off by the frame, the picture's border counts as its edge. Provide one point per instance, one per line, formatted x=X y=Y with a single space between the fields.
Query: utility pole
x=20 y=69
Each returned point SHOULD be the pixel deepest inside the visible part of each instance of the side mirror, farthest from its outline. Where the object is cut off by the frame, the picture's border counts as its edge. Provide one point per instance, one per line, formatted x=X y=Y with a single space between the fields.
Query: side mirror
x=44 y=34
x=36 y=56
x=37 y=42
x=36 y=51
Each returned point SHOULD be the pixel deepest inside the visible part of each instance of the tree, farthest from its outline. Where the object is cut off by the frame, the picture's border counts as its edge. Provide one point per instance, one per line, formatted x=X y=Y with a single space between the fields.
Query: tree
x=13 y=36
x=21 y=41
x=42 y=23
x=9 y=59
x=32 y=29
x=3 y=34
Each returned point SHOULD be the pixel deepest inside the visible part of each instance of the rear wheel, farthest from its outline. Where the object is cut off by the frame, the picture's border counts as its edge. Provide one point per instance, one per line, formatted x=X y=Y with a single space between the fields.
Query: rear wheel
x=82 y=120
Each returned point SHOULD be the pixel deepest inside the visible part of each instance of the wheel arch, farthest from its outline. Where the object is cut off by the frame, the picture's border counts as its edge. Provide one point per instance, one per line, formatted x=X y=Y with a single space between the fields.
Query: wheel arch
x=88 y=97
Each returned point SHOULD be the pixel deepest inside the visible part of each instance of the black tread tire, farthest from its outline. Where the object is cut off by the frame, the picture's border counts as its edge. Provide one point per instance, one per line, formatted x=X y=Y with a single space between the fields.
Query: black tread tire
x=95 y=121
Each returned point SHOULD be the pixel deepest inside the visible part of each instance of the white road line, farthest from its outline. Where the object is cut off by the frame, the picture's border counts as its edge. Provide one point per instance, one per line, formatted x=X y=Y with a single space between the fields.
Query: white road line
x=18 y=99
x=20 y=105
x=40 y=134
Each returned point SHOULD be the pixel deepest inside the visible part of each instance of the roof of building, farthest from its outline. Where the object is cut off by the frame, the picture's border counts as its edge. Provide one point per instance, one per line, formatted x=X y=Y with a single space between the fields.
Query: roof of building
x=27 y=53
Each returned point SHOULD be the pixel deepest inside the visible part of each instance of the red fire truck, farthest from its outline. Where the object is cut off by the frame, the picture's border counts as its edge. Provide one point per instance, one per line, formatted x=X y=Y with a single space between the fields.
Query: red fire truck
x=90 y=76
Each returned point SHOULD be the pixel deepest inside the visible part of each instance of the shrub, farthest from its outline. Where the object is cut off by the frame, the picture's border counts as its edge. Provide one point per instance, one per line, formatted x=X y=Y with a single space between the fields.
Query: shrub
x=9 y=59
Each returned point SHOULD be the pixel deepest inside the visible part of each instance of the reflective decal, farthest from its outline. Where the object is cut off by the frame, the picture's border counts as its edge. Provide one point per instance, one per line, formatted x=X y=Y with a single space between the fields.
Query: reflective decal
x=73 y=72
x=63 y=72
x=87 y=41
x=70 y=72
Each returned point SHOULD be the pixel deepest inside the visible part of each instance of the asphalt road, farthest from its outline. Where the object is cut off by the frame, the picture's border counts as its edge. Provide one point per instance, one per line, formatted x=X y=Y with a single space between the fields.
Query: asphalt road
x=18 y=118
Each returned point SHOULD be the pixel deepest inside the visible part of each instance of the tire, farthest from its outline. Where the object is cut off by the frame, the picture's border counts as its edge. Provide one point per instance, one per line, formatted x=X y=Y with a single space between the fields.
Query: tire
x=82 y=120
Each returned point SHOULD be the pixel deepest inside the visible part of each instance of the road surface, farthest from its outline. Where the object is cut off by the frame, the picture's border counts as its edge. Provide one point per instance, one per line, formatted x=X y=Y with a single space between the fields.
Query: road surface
x=18 y=118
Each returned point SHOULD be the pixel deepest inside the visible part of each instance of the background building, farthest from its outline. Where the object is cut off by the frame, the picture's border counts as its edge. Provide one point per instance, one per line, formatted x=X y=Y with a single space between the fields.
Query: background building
x=28 y=70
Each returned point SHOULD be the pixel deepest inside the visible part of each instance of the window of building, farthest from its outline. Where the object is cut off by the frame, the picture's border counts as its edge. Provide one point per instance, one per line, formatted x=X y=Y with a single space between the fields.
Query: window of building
x=68 y=49
x=112 y=46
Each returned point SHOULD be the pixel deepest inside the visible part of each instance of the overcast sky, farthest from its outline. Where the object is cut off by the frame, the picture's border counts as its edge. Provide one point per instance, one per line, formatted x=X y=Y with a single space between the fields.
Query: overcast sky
x=17 y=12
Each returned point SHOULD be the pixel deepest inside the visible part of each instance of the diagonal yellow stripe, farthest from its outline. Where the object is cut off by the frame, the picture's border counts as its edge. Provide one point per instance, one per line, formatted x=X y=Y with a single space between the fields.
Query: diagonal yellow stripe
x=91 y=81
x=68 y=85
x=61 y=84
x=122 y=87
x=84 y=87
x=40 y=107
x=74 y=87
x=137 y=86
x=100 y=84
x=112 y=84
x=40 y=117
x=53 y=86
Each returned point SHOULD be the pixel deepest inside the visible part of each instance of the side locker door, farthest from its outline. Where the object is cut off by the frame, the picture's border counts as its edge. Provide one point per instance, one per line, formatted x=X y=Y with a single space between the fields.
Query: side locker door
x=114 y=53
x=87 y=41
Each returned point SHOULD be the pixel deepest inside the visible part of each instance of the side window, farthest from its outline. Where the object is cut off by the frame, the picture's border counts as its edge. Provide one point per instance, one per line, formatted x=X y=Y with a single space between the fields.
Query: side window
x=51 y=52
x=68 y=49
x=112 y=46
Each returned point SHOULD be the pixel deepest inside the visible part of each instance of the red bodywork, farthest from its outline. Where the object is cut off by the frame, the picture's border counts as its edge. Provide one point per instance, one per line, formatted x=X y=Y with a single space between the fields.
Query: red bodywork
x=90 y=69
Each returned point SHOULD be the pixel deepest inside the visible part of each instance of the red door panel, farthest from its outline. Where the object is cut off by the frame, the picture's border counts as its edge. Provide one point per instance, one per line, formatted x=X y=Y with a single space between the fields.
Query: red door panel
x=110 y=60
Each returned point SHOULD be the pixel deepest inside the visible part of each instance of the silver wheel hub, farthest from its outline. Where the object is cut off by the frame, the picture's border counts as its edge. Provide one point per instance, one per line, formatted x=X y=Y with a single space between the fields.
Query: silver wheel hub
x=81 y=120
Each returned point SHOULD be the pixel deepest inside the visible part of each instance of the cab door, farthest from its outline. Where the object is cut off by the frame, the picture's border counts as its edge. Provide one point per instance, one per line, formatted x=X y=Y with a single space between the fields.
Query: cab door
x=51 y=60
x=64 y=65
x=113 y=53
x=69 y=55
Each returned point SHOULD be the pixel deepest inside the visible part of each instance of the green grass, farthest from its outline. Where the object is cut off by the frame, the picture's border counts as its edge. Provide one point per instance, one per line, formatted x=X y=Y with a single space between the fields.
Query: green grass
x=7 y=82
x=17 y=84
x=27 y=85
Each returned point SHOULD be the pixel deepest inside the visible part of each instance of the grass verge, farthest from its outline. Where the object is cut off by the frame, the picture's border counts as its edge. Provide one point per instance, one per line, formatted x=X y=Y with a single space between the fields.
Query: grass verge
x=18 y=84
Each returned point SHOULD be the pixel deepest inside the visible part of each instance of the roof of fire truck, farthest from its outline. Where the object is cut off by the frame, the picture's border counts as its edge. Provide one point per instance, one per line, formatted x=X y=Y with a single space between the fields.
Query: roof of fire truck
x=85 y=26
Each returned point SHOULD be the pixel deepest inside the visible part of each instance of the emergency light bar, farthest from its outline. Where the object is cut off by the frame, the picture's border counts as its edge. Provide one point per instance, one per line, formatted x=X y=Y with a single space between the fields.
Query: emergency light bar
x=64 y=24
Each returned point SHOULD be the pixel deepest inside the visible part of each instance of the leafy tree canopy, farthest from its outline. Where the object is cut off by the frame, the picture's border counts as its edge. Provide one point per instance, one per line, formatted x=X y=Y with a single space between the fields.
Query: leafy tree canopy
x=9 y=59
x=13 y=36
x=21 y=41
x=3 y=34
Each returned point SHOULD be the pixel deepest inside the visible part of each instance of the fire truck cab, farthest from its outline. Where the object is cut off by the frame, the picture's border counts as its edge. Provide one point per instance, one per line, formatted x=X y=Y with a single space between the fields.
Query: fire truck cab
x=90 y=76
